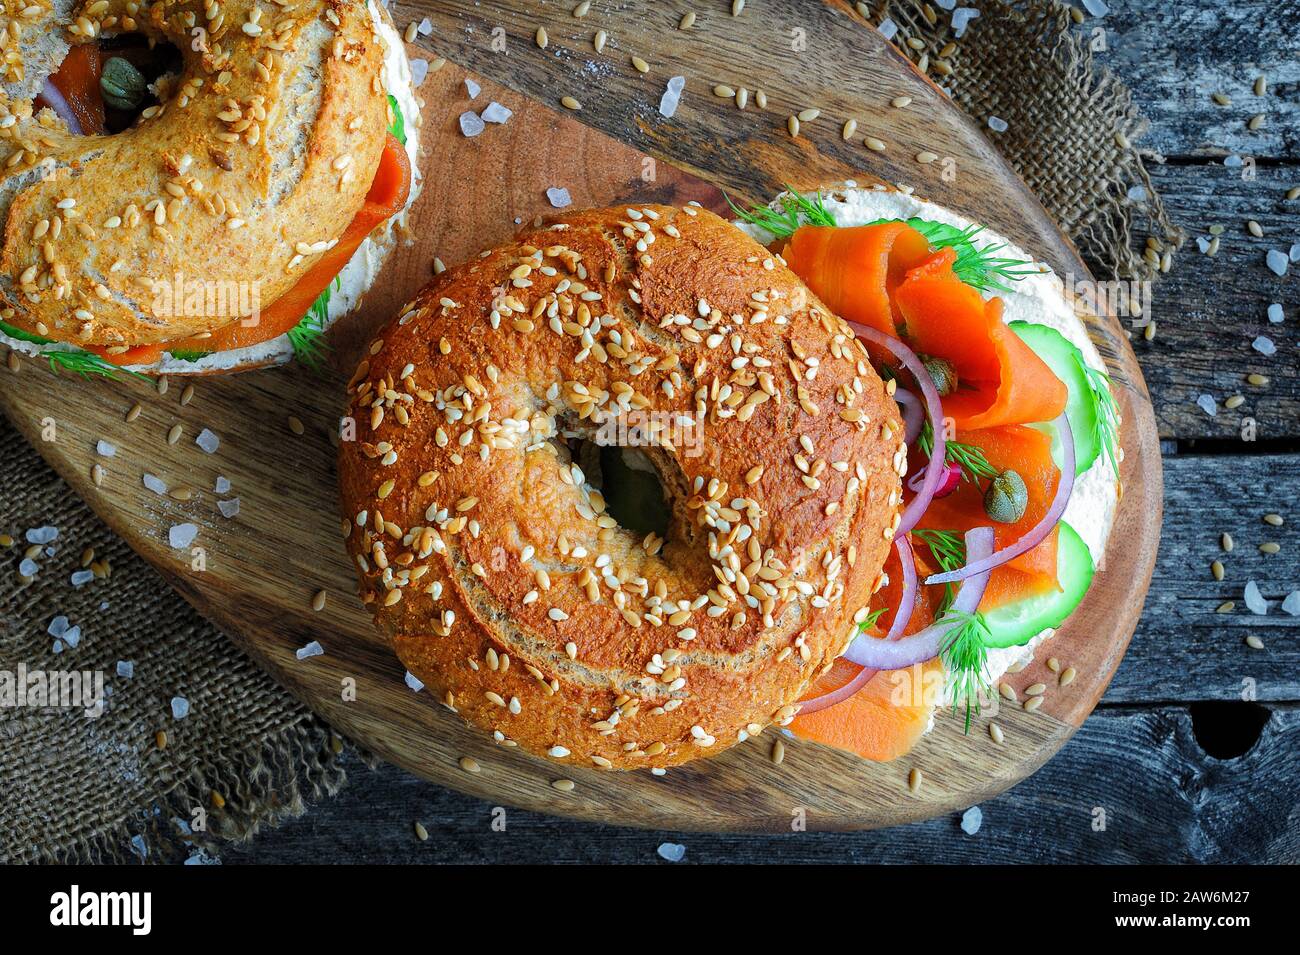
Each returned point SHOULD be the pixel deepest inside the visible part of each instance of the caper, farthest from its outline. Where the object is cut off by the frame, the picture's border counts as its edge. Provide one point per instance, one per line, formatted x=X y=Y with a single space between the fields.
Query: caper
x=942 y=373
x=121 y=84
x=1006 y=498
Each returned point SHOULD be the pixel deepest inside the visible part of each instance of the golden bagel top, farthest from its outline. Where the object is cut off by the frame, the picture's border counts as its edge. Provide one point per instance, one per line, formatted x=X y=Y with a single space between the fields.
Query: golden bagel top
x=475 y=514
x=253 y=163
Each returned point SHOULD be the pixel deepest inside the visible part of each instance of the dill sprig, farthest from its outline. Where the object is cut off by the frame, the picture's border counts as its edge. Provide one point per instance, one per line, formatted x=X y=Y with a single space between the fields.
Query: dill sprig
x=1105 y=413
x=965 y=656
x=796 y=210
x=969 y=457
x=948 y=548
x=83 y=363
x=308 y=336
x=871 y=619
x=981 y=268
x=398 y=128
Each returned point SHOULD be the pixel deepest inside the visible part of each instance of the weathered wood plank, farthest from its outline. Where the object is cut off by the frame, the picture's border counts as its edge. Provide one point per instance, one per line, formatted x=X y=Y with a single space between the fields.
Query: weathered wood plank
x=1183 y=649
x=1208 y=310
x=1163 y=799
x=1174 y=56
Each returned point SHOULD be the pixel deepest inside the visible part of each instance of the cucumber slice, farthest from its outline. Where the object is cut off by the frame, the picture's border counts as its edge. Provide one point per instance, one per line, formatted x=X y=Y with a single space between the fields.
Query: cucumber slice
x=1014 y=624
x=1066 y=361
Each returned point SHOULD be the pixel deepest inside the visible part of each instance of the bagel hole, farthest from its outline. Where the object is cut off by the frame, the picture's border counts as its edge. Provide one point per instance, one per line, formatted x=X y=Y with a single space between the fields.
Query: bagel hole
x=634 y=493
x=159 y=62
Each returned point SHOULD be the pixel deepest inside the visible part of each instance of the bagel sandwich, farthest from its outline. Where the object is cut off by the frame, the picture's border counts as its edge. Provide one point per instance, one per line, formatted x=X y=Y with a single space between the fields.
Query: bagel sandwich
x=642 y=482
x=475 y=508
x=198 y=188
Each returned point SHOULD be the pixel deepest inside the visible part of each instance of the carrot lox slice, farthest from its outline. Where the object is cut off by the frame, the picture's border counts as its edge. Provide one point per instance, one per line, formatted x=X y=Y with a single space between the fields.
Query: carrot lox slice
x=1000 y=379
x=1027 y=451
x=855 y=270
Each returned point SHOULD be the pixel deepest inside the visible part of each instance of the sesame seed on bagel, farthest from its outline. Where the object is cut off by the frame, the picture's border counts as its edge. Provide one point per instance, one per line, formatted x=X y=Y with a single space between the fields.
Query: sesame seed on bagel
x=477 y=517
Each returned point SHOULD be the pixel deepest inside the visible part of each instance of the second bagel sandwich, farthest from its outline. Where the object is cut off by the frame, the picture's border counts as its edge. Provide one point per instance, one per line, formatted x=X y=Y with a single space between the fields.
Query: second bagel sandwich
x=196 y=194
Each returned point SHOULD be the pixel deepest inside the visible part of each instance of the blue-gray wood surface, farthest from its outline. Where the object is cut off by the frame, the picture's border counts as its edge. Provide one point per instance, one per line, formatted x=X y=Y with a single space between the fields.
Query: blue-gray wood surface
x=1174 y=765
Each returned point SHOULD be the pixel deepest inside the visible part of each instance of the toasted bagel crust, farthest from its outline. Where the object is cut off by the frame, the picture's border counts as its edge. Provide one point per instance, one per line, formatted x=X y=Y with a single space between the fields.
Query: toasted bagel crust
x=263 y=147
x=484 y=550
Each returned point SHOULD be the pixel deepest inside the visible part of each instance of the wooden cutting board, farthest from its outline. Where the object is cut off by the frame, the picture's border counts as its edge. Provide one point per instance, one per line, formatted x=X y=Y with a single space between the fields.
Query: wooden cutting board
x=256 y=573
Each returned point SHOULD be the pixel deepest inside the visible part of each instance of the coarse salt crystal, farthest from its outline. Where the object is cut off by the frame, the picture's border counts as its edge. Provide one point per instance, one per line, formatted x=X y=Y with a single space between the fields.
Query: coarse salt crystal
x=1277 y=262
x=80 y=577
x=1275 y=314
x=671 y=851
x=180 y=707
x=1208 y=405
x=72 y=637
x=42 y=535
x=470 y=124
x=1096 y=7
x=414 y=682
x=104 y=449
x=222 y=485
x=182 y=535
x=1137 y=193
x=495 y=113
x=425 y=28
x=208 y=441
x=888 y=28
x=559 y=197
x=971 y=820
x=1264 y=345
x=313 y=649
x=997 y=124
x=1255 y=601
x=1203 y=244
x=672 y=96
x=1291 y=604
x=126 y=669
x=229 y=508
x=472 y=88
x=28 y=567
x=58 y=626
x=154 y=483
x=419 y=70
x=961 y=18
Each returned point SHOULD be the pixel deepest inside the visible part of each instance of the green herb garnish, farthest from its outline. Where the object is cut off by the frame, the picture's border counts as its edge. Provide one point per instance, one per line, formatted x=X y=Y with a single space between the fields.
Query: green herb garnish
x=308 y=336
x=948 y=548
x=398 y=129
x=871 y=620
x=75 y=360
x=189 y=355
x=1105 y=413
x=796 y=210
x=981 y=268
x=969 y=457
x=965 y=656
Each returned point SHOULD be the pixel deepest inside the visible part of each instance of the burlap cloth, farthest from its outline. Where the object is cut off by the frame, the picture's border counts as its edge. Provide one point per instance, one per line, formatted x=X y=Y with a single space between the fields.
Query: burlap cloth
x=77 y=789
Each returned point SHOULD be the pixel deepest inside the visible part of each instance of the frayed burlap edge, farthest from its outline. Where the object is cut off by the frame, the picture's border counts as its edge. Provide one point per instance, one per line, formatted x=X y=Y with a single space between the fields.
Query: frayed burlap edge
x=1080 y=160
x=262 y=784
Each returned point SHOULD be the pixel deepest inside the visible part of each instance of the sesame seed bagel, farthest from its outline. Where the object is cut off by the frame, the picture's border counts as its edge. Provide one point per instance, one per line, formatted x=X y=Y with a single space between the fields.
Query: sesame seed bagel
x=254 y=162
x=477 y=522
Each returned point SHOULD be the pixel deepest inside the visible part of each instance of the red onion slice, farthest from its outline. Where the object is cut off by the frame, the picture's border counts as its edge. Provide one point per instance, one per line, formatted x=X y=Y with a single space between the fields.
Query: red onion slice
x=934 y=469
x=1035 y=535
x=913 y=413
x=51 y=97
x=926 y=644
x=906 y=602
